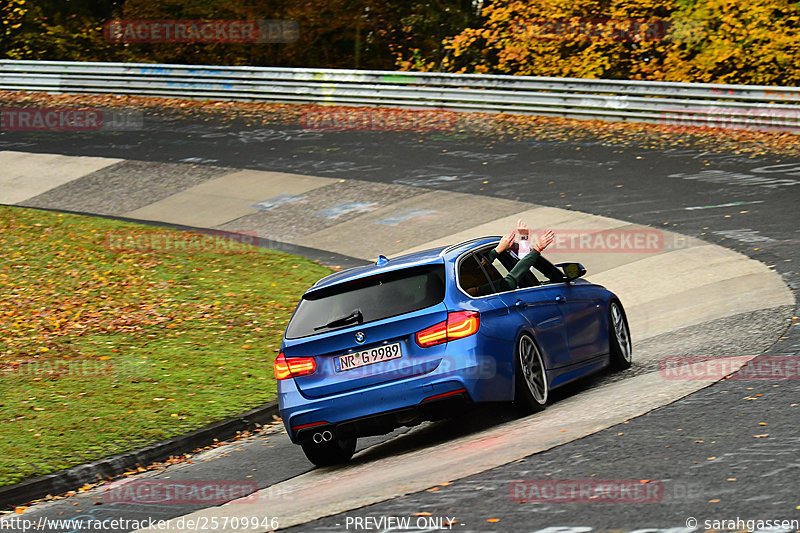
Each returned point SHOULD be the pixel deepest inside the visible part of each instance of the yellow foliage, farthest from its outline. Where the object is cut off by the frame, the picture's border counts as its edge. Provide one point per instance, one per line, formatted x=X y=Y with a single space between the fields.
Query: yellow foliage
x=721 y=41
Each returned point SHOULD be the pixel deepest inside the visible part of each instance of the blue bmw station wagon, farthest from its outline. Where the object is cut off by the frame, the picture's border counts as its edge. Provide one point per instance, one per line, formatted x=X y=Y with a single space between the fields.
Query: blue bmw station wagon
x=416 y=337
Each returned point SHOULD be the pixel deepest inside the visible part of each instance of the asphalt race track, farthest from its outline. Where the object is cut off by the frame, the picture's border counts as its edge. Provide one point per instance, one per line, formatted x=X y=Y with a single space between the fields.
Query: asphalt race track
x=701 y=452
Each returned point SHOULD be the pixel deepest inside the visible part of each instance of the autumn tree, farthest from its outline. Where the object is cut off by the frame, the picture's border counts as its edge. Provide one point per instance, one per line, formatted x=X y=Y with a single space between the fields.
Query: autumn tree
x=723 y=41
x=754 y=42
x=12 y=13
x=57 y=30
x=368 y=34
x=583 y=38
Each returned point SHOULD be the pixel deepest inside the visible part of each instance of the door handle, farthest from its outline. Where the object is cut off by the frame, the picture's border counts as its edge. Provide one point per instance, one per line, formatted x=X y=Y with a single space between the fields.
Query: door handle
x=560 y=299
x=520 y=304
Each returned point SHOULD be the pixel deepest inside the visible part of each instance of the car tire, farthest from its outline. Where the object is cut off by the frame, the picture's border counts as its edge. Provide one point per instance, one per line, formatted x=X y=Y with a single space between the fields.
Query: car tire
x=531 y=390
x=335 y=451
x=619 y=337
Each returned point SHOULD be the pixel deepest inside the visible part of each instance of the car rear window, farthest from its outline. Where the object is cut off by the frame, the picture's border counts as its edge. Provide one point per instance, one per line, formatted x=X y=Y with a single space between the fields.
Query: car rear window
x=368 y=299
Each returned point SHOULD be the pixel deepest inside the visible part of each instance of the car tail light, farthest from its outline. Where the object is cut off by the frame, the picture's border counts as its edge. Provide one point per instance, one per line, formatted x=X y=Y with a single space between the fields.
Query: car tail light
x=294 y=366
x=433 y=335
x=462 y=324
x=458 y=325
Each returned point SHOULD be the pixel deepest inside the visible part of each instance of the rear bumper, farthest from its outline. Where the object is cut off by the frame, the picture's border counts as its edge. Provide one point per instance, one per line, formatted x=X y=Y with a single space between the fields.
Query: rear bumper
x=467 y=366
x=374 y=411
x=435 y=408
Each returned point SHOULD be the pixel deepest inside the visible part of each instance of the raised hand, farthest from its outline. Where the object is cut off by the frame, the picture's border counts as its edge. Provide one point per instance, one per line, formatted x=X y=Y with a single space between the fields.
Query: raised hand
x=545 y=240
x=522 y=229
x=505 y=243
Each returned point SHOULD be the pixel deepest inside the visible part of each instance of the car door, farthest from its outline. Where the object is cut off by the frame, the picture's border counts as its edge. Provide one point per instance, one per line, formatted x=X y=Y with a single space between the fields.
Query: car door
x=581 y=308
x=583 y=314
x=540 y=308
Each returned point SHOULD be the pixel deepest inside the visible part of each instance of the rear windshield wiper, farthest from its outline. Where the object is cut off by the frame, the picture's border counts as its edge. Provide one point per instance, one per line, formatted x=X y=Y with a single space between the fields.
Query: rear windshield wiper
x=355 y=316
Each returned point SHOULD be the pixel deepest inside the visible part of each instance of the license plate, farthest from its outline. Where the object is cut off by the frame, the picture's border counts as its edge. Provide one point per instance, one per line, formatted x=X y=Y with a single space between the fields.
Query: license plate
x=371 y=356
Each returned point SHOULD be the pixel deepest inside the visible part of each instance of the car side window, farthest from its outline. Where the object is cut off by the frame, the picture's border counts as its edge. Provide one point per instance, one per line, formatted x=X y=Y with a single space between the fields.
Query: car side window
x=472 y=277
x=547 y=272
x=479 y=277
x=528 y=279
x=541 y=273
x=498 y=267
x=495 y=270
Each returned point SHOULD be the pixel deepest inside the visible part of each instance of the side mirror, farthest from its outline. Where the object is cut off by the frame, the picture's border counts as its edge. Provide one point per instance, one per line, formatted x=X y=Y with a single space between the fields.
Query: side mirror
x=572 y=270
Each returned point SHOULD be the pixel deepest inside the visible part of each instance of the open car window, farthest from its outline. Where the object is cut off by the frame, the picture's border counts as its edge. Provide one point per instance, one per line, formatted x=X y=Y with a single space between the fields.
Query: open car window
x=477 y=276
x=542 y=271
x=529 y=279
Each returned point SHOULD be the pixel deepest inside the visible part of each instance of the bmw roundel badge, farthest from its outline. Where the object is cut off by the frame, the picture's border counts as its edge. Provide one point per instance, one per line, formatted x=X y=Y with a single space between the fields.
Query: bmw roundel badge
x=360 y=337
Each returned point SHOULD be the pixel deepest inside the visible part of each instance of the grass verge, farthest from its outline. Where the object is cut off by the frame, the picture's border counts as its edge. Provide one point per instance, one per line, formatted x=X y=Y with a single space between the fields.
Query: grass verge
x=114 y=335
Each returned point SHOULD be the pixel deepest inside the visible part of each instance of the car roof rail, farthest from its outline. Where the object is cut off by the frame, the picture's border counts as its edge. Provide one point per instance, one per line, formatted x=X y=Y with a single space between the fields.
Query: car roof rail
x=476 y=239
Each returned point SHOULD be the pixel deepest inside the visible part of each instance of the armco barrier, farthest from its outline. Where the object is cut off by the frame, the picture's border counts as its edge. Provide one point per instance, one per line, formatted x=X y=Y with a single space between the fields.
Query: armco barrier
x=695 y=104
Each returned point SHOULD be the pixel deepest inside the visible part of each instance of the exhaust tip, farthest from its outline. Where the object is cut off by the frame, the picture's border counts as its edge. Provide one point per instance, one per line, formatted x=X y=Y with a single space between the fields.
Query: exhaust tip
x=323 y=436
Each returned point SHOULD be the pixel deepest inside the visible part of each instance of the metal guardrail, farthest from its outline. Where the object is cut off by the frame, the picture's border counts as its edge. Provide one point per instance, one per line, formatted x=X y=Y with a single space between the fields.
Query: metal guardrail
x=702 y=104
